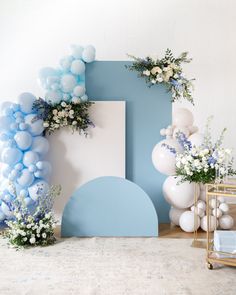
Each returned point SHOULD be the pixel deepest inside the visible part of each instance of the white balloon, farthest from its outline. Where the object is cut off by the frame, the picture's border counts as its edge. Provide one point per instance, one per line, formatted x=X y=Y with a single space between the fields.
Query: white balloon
x=217 y=212
x=163 y=132
x=214 y=203
x=163 y=159
x=221 y=199
x=193 y=129
x=196 y=139
x=68 y=82
x=187 y=223
x=226 y=222
x=179 y=195
x=183 y=130
x=200 y=212
x=174 y=215
x=224 y=207
x=213 y=223
x=182 y=118
x=201 y=205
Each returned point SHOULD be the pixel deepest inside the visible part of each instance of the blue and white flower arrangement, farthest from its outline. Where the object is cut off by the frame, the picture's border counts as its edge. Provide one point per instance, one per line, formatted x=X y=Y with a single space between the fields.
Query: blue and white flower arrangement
x=33 y=226
x=73 y=114
x=167 y=71
x=205 y=163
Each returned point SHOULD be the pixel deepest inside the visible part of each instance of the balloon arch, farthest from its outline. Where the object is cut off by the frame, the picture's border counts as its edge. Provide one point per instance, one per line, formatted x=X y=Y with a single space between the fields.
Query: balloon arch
x=23 y=147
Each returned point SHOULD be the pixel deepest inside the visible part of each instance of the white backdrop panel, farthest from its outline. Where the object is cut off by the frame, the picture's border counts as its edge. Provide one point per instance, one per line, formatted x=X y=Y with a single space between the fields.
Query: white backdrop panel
x=77 y=159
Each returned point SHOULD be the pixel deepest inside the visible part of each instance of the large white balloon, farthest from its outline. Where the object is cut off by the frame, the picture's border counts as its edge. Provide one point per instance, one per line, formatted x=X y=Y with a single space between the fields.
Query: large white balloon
x=187 y=223
x=179 y=195
x=182 y=118
x=163 y=159
x=175 y=214
x=196 y=139
x=213 y=223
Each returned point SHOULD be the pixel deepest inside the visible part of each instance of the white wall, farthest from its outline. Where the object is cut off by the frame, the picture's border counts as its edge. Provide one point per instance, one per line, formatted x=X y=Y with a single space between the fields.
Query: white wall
x=37 y=33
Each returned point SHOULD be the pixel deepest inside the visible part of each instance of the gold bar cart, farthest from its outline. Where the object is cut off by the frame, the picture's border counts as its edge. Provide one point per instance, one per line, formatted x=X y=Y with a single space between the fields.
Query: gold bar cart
x=213 y=191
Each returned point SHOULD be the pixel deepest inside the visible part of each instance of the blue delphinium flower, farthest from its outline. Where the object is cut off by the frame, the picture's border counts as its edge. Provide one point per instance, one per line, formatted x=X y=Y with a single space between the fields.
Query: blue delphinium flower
x=183 y=141
x=170 y=148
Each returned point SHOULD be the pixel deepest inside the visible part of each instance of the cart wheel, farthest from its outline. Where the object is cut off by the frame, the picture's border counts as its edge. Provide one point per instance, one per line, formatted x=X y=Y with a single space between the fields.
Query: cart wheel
x=209 y=265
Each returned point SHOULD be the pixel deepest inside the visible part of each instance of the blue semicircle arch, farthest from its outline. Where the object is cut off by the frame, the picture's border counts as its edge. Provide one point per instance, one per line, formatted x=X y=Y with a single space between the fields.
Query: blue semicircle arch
x=109 y=206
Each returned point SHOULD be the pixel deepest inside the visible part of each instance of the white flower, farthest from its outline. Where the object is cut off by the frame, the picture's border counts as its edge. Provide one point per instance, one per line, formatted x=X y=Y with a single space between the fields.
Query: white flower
x=75 y=100
x=63 y=104
x=28 y=225
x=45 y=124
x=25 y=239
x=159 y=79
x=156 y=70
x=74 y=123
x=54 y=112
x=44 y=235
x=32 y=240
x=71 y=112
x=146 y=73
x=153 y=81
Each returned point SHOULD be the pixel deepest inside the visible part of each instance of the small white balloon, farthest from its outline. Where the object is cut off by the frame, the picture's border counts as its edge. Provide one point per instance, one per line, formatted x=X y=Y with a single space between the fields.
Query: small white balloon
x=187 y=222
x=163 y=132
x=182 y=117
x=163 y=159
x=217 y=212
x=174 y=215
x=226 y=222
x=200 y=212
x=221 y=199
x=179 y=195
x=213 y=223
x=201 y=205
x=196 y=139
x=168 y=132
x=224 y=207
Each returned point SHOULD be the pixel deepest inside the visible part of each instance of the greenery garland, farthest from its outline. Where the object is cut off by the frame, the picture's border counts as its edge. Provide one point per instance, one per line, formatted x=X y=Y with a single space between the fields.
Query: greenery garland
x=57 y=115
x=167 y=71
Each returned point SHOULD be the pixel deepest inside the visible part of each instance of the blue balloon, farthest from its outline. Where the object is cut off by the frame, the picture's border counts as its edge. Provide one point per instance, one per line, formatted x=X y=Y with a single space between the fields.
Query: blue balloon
x=65 y=62
x=19 y=166
x=11 y=156
x=5 y=136
x=77 y=67
x=6 y=170
x=24 y=193
x=26 y=101
x=53 y=96
x=6 y=210
x=46 y=72
x=18 y=114
x=38 y=189
x=5 y=123
x=88 y=54
x=8 y=112
x=35 y=126
x=23 y=139
x=23 y=126
x=40 y=145
x=68 y=83
x=32 y=168
x=84 y=98
x=26 y=178
x=45 y=169
x=30 y=158
x=14 y=126
x=79 y=91
x=77 y=51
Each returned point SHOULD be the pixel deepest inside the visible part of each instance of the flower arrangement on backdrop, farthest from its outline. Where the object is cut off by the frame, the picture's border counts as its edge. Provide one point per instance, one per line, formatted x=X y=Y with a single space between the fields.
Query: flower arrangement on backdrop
x=73 y=114
x=205 y=163
x=168 y=71
x=33 y=226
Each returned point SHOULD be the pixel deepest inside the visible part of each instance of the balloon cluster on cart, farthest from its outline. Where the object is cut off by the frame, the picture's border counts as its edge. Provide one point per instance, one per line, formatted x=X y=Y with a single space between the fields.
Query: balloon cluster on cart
x=181 y=195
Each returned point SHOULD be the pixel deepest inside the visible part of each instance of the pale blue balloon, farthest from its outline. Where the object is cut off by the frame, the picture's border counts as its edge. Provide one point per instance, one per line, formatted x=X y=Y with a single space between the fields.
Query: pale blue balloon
x=5 y=136
x=23 y=126
x=18 y=114
x=39 y=188
x=66 y=96
x=77 y=67
x=76 y=51
x=23 y=139
x=35 y=127
x=65 y=62
x=26 y=101
x=4 y=105
x=6 y=210
x=79 y=91
x=6 y=170
x=19 y=166
x=84 y=98
x=24 y=193
x=19 y=120
x=40 y=145
x=46 y=72
x=11 y=156
x=28 y=201
x=8 y=112
x=5 y=123
x=68 y=83
x=26 y=178
x=32 y=168
x=88 y=54
x=45 y=169
x=53 y=96
x=30 y=158
x=14 y=126
x=15 y=107
x=55 y=86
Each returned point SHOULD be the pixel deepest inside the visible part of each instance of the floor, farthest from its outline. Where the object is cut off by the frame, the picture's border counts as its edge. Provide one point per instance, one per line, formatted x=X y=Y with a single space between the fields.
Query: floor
x=112 y=266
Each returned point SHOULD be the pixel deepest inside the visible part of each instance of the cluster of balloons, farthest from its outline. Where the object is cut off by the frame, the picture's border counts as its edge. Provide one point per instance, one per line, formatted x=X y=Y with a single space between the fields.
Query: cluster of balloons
x=68 y=81
x=181 y=195
x=23 y=149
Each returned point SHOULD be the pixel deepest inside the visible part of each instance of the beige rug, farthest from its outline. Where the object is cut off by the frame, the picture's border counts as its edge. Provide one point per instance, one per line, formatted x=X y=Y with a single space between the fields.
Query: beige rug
x=110 y=266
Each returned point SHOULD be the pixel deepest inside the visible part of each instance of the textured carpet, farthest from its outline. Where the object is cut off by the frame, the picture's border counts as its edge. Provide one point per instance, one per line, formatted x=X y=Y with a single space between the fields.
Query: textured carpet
x=110 y=266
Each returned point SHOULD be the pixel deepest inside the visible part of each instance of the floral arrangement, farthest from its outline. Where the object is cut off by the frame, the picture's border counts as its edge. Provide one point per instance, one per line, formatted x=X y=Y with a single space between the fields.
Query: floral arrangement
x=205 y=163
x=56 y=115
x=167 y=71
x=35 y=226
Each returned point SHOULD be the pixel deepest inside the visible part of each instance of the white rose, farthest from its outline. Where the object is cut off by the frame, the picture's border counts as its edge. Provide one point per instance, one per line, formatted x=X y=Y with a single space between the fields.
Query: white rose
x=146 y=73
x=159 y=79
x=54 y=112
x=45 y=124
x=44 y=235
x=32 y=240
x=71 y=112
x=63 y=104
x=74 y=123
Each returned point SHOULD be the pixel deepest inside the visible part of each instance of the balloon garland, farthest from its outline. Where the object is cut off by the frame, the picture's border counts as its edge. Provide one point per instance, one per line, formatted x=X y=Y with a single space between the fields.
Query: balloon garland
x=23 y=147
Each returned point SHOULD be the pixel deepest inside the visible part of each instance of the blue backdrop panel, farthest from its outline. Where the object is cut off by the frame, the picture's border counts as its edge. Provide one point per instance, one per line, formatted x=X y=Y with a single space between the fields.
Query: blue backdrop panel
x=147 y=111
x=109 y=206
